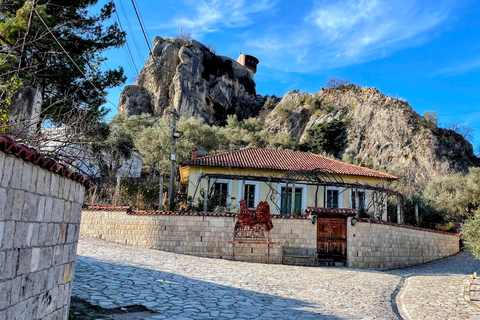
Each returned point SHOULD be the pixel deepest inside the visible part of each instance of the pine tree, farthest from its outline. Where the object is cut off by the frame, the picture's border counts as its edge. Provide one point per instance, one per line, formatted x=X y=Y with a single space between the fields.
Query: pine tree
x=58 y=45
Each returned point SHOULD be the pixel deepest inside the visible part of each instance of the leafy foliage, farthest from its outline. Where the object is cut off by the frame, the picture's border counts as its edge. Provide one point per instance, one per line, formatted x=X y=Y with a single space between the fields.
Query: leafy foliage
x=326 y=137
x=471 y=233
x=431 y=117
x=429 y=216
x=6 y=94
x=457 y=194
x=68 y=70
x=270 y=102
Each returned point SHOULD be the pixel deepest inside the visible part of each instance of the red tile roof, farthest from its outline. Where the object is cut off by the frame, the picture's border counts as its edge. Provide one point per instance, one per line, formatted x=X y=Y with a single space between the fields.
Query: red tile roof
x=8 y=146
x=331 y=211
x=285 y=160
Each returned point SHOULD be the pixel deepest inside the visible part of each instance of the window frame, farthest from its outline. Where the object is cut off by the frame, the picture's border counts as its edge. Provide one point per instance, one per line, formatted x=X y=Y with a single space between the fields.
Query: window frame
x=365 y=202
x=229 y=190
x=257 y=191
x=297 y=185
x=340 y=196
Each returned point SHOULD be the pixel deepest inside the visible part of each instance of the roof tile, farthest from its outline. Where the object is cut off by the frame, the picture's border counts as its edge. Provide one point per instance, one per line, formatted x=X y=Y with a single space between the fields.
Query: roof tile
x=285 y=160
x=9 y=146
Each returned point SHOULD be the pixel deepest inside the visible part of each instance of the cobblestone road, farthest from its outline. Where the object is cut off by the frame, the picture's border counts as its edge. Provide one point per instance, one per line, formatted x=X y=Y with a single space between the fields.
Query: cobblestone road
x=435 y=290
x=187 y=287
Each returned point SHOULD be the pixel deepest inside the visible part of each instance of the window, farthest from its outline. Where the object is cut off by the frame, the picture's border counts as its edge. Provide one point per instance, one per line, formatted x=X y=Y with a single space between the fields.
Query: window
x=220 y=192
x=249 y=195
x=361 y=199
x=332 y=198
x=286 y=201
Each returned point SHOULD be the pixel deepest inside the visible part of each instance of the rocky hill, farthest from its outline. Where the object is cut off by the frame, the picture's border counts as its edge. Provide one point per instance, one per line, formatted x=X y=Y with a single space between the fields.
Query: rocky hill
x=382 y=132
x=195 y=81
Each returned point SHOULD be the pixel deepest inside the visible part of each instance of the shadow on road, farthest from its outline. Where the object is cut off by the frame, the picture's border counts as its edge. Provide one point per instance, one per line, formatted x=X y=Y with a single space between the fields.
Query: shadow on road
x=173 y=295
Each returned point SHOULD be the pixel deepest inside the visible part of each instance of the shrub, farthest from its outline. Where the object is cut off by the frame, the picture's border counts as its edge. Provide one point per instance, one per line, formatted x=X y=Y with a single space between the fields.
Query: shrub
x=471 y=233
x=270 y=102
x=329 y=137
x=285 y=109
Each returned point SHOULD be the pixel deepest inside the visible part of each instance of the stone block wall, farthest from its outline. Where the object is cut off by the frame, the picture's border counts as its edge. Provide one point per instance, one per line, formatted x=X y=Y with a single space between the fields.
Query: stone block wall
x=381 y=245
x=202 y=235
x=40 y=213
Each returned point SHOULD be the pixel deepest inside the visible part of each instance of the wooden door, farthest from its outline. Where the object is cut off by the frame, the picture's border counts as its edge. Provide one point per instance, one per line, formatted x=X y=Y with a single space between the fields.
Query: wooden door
x=332 y=238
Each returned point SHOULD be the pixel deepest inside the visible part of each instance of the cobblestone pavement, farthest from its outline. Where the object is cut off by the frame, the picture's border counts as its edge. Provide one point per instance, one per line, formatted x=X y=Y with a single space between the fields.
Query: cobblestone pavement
x=187 y=287
x=436 y=290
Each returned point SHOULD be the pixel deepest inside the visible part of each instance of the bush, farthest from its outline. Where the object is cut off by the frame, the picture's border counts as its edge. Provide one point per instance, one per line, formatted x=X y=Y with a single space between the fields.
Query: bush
x=142 y=193
x=329 y=137
x=471 y=233
x=270 y=102
x=336 y=82
x=285 y=109
x=429 y=216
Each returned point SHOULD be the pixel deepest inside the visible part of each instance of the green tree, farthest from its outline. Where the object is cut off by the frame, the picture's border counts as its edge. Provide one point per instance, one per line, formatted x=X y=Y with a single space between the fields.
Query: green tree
x=326 y=137
x=471 y=233
x=58 y=44
x=457 y=194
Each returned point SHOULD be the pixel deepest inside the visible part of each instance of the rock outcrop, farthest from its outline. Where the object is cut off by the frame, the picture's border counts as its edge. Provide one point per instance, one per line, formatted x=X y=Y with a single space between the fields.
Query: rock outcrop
x=195 y=81
x=382 y=130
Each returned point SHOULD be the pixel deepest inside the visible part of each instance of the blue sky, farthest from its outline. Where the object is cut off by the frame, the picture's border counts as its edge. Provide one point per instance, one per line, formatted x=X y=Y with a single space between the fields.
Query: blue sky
x=426 y=52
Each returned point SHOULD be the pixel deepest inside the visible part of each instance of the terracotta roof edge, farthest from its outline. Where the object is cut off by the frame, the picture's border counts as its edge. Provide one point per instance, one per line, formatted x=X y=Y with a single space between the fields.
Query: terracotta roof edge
x=21 y=151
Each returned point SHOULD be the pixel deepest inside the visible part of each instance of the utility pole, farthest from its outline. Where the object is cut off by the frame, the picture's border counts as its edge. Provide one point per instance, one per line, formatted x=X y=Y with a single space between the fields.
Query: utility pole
x=175 y=135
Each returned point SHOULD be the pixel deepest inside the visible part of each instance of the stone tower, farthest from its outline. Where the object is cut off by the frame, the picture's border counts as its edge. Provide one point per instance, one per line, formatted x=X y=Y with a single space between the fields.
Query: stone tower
x=249 y=62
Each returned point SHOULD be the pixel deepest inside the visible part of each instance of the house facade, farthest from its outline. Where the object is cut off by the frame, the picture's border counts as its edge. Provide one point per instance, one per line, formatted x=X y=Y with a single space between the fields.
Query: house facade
x=290 y=181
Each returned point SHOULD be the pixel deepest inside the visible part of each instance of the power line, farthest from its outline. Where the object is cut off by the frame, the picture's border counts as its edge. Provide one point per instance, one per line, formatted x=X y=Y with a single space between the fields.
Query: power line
x=81 y=71
x=126 y=42
x=140 y=21
x=132 y=34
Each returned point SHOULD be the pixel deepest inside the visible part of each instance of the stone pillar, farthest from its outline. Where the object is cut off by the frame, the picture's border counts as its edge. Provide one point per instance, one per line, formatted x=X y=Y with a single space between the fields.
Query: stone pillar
x=375 y=205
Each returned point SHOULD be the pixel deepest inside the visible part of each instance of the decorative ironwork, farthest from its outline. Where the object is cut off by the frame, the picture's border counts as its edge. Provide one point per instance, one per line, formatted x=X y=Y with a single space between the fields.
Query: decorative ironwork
x=253 y=224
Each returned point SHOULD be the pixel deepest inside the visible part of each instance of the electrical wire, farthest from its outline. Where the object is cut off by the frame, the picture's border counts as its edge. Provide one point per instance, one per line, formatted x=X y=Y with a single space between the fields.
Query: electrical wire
x=132 y=34
x=65 y=51
x=135 y=69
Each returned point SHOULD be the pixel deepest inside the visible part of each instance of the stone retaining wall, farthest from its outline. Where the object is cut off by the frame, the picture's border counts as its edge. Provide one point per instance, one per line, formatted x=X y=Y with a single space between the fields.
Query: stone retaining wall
x=380 y=245
x=202 y=235
x=40 y=212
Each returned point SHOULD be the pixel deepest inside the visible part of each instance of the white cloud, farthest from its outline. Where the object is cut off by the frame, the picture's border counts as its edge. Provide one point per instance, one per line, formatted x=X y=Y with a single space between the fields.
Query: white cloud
x=341 y=33
x=459 y=68
x=338 y=18
x=211 y=15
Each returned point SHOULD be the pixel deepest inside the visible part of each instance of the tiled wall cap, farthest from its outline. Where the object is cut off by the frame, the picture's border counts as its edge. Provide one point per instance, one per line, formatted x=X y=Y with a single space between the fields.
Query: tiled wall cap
x=107 y=208
x=404 y=226
x=130 y=211
x=9 y=146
